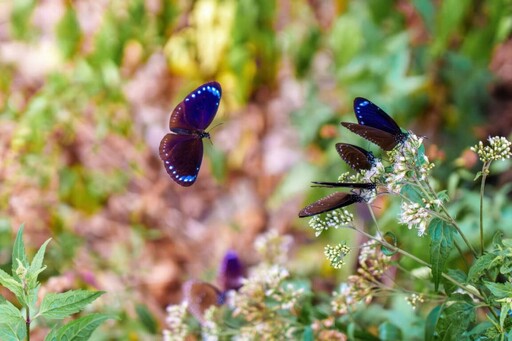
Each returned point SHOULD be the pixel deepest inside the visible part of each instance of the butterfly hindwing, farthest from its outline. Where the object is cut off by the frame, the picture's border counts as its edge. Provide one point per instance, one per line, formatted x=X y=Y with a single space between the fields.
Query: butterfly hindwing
x=356 y=157
x=182 y=156
x=329 y=203
x=200 y=296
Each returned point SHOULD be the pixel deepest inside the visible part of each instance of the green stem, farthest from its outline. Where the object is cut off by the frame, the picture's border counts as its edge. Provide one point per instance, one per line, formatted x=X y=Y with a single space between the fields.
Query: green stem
x=422 y=262
x=485 y=172
x=27 y=322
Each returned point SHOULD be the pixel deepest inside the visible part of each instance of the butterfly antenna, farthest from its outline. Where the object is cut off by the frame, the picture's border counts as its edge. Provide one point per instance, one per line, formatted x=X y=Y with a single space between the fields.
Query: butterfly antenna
x=215 y=126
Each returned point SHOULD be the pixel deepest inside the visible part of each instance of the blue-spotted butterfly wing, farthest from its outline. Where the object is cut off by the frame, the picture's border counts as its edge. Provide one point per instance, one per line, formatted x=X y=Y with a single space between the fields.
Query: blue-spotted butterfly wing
x=182 y=156
x=357 y=185
x=369 y=114
x=200 y=296
x=182 y=150
x=198 y=109
x=356 y=157
x=329 y=203
x=375 y=125
x=381 y=138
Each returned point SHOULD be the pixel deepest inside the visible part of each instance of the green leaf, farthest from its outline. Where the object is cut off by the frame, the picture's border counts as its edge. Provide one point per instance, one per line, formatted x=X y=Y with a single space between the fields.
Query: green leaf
x=82 y=328
x=16 y=332
x=21 y=17
x=500 y=290
x=68 y=33
x=480 y=266
x=18 y=253
x=477 y=175
x=37 y=266
x=9 y=314
x=412 y=193
x=388 y=331
x=455 y=319
x=61 y=305
x=431 y=322
x=146 y=318
x=456 y=274
x=441 y=243
x=11 y=284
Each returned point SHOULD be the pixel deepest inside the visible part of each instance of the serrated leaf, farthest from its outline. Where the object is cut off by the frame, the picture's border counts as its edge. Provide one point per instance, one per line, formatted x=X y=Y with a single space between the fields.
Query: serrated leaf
x=18 y=253
x=479 y=267
x=52 y=335
x=431 y=323
x=9 y=314
x=455 y=319
x=15 y=332
x=500 y=290
x=11 y=284
x=441 y=243
x=37 y=265
x=61 y=305
x=82 y=328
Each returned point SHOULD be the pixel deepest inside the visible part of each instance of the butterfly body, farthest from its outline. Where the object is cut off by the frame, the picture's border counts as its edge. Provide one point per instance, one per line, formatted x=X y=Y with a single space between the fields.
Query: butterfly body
x=182 y=149
x=375 y=125
x=358 y=185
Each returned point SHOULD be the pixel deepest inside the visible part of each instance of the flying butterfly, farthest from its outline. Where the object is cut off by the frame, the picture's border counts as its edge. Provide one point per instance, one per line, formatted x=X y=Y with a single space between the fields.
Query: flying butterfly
x=202 y=295
x=331 y=202
x=182 y=149
x=356 y=157
x=375 y=125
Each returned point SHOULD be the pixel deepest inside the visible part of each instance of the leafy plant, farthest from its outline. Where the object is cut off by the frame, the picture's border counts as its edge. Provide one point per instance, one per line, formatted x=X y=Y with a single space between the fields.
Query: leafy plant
x=15 y=322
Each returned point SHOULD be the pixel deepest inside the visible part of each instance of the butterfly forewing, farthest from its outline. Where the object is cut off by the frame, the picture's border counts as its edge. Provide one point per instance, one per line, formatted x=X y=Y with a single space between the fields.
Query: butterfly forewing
x=369 y=114
x=182 y=156
x=356 y=157
x=329 y=203
x=198 y=109
x=201 y=296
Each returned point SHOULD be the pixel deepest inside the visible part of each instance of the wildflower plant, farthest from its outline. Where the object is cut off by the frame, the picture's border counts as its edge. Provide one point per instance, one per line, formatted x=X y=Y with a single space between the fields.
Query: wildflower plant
x=457 y=294
x=15 y=322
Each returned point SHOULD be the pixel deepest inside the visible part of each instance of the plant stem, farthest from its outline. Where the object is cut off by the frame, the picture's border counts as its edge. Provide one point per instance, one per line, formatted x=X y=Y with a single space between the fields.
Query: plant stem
x=485 y=172
x=422 y=262
x=27 y=322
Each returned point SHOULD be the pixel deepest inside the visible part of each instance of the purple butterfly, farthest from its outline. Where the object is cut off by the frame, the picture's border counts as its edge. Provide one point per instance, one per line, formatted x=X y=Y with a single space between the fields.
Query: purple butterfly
x=182 y=149
x=375 y=125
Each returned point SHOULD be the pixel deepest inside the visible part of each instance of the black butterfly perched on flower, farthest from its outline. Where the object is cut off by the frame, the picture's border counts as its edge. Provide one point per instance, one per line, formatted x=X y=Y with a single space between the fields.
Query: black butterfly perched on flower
x=202 y=295
x=331 y=202
x=375 y=125
x=182 y=149
x=356 y=157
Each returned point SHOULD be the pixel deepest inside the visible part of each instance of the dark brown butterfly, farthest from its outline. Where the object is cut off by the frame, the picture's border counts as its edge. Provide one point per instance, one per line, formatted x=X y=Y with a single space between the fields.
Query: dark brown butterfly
x=329 y=203
x=356 y=157
x=375 y=125
x=182 y=149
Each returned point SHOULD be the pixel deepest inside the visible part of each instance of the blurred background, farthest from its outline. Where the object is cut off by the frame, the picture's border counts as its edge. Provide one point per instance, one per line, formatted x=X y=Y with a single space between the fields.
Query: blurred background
x=87 y=87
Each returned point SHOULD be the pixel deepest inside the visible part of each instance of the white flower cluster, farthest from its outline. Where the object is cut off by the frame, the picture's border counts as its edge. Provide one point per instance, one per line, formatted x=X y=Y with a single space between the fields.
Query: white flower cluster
x=414 y=300
x=177 y=328
x=498 y=149
x=333 y=219
x=415 y=216
x=273 y=247
x=336 y=254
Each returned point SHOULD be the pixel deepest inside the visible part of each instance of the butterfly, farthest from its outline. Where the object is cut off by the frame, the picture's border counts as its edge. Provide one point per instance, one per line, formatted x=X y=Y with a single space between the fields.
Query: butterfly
x=356 y=157
x=202 y=295
x=331 y=202
x=375 y=125
x=182 y=149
